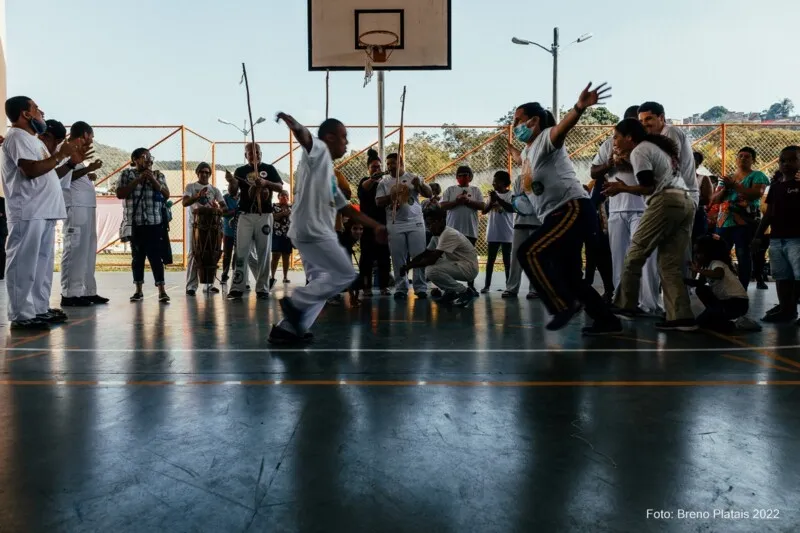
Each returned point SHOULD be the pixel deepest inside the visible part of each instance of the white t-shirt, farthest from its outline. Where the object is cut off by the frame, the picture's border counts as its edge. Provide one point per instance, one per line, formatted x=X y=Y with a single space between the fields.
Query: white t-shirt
x=501 y=222
x=687 y=168
x=456 y=247
x=79 y=192
x=622 y=202
x=29 y=199
x=554 y=180
x=317 y=197
x=729 y=286
x=211 y=194
x=648 y=156
x=523 y=209
x=463 y=218
x=409 y=214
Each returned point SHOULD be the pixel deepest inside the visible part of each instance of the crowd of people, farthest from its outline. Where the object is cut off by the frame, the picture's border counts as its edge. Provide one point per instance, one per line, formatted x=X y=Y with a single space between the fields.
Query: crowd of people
x=651 y=222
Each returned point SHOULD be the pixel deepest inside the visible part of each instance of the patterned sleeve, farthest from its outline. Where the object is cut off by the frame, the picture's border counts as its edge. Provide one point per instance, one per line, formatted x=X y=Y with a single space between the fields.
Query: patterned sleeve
x=161 y=178
x=125 y=177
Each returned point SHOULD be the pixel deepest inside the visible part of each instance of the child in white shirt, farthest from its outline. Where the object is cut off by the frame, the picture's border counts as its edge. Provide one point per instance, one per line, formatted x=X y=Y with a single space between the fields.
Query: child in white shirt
x=500 y=229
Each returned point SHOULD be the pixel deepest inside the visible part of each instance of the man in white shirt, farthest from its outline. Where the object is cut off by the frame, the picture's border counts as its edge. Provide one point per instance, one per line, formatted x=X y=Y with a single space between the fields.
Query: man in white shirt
x=34 y=204
x=199 y=194
x=79 y=255
x=450 y=258
x=624 y=212
x=462 y=203
x=405 y=225
x=317 y=200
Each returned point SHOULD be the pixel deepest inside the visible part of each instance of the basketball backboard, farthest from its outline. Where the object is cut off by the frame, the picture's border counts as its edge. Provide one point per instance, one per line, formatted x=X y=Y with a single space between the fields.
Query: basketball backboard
x=336 y=31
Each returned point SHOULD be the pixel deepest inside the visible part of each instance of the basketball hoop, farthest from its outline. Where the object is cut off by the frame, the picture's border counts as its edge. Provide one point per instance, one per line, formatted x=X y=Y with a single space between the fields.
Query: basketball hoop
x=378 y=45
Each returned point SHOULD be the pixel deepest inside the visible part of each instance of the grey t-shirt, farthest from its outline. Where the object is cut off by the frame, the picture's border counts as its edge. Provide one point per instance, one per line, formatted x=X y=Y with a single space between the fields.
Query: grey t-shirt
x=463 y=218
x=409 y=213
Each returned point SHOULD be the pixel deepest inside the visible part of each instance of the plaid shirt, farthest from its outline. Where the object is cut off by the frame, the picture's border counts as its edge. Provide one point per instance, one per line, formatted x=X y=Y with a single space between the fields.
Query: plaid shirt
x=148 y=203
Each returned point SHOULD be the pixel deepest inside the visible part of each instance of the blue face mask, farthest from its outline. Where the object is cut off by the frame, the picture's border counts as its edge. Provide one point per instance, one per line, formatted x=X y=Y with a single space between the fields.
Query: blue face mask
x=39 y=126
x=523 y=133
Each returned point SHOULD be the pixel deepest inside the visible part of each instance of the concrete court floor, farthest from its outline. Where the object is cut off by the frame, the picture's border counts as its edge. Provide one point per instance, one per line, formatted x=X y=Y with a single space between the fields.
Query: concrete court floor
x=400 y=418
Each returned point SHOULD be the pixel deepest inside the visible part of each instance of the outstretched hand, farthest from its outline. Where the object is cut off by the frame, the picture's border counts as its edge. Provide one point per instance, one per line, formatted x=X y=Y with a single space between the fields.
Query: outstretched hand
x=614 y=188
x=590 y=97
x=288 y=119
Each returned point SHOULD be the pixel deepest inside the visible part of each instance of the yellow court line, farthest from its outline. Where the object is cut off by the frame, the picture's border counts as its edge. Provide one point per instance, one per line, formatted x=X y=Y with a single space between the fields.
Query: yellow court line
x=419 y=383
x=633 y=339
x=765 y=353
x=34 y=354
x=760 y=363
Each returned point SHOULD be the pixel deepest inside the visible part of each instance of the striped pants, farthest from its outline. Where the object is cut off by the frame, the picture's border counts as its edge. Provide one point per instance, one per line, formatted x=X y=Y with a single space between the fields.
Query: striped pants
x=551 y=258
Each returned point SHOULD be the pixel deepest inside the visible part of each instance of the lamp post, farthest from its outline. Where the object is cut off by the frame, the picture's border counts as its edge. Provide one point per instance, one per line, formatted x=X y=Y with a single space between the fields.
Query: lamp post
x=553 y=51
x=243 y=130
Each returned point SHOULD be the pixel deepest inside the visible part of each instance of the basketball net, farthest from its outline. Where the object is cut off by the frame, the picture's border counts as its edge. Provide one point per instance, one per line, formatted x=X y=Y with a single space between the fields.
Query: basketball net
x=368 y=66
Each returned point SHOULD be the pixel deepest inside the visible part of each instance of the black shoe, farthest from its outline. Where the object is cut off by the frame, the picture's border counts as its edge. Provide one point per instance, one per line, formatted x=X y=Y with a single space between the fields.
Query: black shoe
x=448 y=298
x=281 y=336
x=508 y=294
x=97 y=299
x=52 y=318
x=628 y=313
x=436 y=293
x=774 y=311
x=613 y=327
x=213 y=290
x=262 y=295
x=164 y=298
x=190 y=292
x=272 y=283
x=75 y=302
x=30 y=324
x=464 y=299
x=399 y=295
x=562 y=318
x=235 y=295
x=224 y=278
x=686 y=324
x=779 y=318
x=137 y=297
x=293 y=315
x=761 y=286
x=532 y=295
x=474 y=291
x=422 y=295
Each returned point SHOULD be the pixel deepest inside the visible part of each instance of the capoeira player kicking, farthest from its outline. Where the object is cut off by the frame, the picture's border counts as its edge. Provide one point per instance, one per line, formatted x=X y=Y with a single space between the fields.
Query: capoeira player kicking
x=317 y=200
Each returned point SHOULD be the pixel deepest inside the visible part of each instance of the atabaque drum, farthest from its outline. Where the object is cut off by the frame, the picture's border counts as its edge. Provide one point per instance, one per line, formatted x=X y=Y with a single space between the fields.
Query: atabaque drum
x=207 y=242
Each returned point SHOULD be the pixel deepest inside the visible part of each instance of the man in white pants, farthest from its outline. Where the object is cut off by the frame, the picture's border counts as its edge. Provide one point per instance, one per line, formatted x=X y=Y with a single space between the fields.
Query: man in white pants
x=406 y=226
x=317 y=199
x=256 y=182
x=78 y=259
x=33 y=205
x=451 y=258
x=624 y=212
x=199 y=194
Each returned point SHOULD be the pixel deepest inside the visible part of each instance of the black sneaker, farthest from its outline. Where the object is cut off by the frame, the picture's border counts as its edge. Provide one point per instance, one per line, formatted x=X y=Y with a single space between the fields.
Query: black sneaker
x=532 y=295
x=213 y=290
x=448 y=298
x=627 y=313
x=30 y=324
x=400 y=295
x=224 y=278
x=293 y=314
x=436 y=293
x=272 y=283
x=235 y=295
x=190 y=292
x=562 y=318
x=137 y=297
x=474 y=291
x=164 y=298
x=508 y=294
x=422 y=295
x=282 y=336
x=685 y=324
x=75 y=302
x=774 y=311
x=464 y=299
x=599 y=328
x=95 y=299
x=779 y=318
x=52 y=318
x=761 y=286
x=262 y=295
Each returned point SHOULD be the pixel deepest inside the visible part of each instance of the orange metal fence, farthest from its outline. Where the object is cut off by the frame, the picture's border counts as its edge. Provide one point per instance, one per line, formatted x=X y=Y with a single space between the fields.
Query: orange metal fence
x=431 y=151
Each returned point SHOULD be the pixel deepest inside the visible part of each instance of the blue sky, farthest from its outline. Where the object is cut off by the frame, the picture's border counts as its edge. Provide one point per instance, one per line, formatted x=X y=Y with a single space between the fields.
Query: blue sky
x=179 y=61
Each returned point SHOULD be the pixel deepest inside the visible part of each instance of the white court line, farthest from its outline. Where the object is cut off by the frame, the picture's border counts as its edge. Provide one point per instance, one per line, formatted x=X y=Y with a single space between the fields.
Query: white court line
x=404 y=350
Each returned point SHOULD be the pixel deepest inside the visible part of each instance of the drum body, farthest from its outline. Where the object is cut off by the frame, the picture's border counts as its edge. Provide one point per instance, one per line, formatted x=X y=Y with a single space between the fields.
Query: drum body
x=207 y=243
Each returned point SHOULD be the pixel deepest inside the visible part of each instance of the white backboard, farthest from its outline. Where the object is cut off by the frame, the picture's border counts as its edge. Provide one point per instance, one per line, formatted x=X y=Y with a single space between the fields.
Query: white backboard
x=422 y=26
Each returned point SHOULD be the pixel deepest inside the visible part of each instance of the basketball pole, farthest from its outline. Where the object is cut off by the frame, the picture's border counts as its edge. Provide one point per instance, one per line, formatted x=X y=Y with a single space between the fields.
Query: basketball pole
x=381 y=123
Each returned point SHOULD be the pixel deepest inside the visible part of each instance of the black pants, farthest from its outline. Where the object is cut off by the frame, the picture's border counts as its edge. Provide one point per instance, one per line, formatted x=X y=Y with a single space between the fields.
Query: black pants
x=740 y=237
x=760 y=259
x=494 y=247
x=474 y=241
x=372 y=251
x=719 y=312
x=700 y=226
x=228 y=242
x=146 y=243
x=598 y=257
x=3 y=238
x=551 y=258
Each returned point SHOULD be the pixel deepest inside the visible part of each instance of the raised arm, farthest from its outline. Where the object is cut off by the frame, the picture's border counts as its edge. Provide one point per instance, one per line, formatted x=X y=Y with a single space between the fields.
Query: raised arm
x=300 y=132
x=588 y=98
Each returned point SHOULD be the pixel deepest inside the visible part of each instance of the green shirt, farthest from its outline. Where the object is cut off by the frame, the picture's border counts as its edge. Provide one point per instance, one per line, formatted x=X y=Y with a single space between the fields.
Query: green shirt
x=735 y=210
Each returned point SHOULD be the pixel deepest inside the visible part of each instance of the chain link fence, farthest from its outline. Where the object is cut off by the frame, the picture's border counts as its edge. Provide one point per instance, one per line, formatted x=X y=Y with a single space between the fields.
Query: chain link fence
x=433 y=152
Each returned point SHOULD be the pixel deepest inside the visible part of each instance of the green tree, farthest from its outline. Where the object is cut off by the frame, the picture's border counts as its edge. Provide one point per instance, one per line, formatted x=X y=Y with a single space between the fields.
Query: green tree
x=779 y=110
x=715 y=113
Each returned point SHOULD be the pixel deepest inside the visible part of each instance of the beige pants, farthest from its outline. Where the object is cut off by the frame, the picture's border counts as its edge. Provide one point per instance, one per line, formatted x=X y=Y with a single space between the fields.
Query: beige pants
x=666 y=226
x=447 y=274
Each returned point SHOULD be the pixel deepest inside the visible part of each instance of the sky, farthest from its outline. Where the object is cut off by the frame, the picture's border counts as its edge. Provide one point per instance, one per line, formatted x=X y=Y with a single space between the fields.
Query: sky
x=179 y=61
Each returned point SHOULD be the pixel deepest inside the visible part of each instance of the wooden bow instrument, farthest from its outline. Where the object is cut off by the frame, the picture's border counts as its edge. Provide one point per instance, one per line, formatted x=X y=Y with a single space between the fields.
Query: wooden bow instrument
x=254 y=190
x=398 y=193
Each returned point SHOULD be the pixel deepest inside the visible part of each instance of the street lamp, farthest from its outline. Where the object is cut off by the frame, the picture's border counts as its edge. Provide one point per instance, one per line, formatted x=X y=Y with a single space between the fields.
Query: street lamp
x=553 y=50
x=244 y=130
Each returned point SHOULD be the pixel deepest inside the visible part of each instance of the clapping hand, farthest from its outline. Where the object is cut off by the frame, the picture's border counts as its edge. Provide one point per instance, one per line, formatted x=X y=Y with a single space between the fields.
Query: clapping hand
x=614 y=188
x=590 y=97
x=462 y=199
x=95 y=165
x=68 y=149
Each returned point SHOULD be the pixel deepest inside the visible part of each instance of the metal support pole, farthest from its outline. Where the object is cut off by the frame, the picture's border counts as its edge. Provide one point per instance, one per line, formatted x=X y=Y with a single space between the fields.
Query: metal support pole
x=214 y=164
x=381 y=122
x=183 y=184
x=555 y=73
